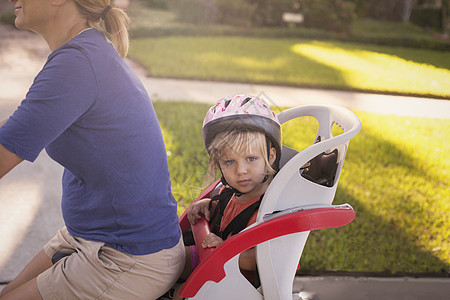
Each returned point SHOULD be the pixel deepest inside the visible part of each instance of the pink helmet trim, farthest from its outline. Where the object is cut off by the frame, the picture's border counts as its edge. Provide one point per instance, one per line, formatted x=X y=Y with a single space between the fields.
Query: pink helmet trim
x=243 y=112
x=239 y=105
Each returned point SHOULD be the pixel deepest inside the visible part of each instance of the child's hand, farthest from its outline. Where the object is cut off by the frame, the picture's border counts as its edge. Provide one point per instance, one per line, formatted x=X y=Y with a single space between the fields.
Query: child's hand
x=197 y=210
x=212 y=241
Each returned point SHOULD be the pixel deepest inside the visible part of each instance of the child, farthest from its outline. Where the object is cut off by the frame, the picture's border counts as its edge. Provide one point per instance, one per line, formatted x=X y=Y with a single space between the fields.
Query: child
x=243 y=138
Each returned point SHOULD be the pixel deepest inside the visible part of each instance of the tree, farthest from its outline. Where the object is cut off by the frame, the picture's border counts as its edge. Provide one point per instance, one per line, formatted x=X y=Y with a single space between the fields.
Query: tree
x=407 y=9
x=432 y=14
x=445 y=17
x=390 y=10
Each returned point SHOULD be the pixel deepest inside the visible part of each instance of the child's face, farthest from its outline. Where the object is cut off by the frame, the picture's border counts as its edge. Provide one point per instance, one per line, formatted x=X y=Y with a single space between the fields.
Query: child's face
x=245 y=171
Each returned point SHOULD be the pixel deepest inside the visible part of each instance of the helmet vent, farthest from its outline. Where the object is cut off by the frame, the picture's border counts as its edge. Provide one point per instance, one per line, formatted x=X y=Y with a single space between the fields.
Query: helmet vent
x=246 y=101
x=227 y=103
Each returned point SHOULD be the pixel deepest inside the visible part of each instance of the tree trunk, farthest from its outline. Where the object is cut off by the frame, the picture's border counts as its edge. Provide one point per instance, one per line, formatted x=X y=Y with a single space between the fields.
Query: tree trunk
x=407 y=9
x=391 y=10
x=445 y=17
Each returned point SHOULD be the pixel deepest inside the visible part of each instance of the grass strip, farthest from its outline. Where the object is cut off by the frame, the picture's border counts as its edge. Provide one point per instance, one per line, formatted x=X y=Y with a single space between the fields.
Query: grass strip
x=298 y=62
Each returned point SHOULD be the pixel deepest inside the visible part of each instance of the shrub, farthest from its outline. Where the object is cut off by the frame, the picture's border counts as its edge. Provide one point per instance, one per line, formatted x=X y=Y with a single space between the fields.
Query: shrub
x=333 y=15
x=427 y=17
x=268 y=12
x=194 y=11
x=161 y=4
x=157 y=23
x=235 y=12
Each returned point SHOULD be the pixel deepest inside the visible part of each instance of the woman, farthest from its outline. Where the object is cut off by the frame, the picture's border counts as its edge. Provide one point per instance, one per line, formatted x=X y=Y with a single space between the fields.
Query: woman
x=92 y=115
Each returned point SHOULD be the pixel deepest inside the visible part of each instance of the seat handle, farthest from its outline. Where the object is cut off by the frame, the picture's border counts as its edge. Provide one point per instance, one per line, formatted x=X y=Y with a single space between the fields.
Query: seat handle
x=201 y=230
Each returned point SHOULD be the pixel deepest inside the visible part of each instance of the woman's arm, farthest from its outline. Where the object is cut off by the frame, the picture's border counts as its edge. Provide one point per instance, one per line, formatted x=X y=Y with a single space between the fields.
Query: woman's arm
x=8 y=160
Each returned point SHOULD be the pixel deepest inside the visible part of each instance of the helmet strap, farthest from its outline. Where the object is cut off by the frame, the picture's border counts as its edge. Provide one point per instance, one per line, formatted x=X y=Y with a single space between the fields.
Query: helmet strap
x=225 y=183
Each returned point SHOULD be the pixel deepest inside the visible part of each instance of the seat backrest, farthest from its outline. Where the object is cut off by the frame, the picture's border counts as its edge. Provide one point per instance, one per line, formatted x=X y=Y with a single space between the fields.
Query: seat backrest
x=289 y=189
x=277 y=259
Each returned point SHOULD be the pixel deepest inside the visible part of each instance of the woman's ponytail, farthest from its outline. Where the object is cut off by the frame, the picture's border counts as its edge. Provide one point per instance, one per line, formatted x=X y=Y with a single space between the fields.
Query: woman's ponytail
x=115 y=22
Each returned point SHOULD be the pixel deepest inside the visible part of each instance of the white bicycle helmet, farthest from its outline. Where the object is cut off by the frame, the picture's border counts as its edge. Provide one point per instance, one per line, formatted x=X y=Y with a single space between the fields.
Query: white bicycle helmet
x=242 y=112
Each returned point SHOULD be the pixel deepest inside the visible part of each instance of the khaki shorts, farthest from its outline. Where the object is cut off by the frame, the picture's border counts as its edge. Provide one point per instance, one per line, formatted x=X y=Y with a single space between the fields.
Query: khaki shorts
x=96 y=271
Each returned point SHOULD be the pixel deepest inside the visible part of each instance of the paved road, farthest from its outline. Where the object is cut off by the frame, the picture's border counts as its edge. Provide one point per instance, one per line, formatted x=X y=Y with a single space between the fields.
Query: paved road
x=29 y=195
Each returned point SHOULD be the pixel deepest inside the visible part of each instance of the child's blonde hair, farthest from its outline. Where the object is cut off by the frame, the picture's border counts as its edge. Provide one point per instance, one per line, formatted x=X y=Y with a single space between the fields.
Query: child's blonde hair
x=239 y=141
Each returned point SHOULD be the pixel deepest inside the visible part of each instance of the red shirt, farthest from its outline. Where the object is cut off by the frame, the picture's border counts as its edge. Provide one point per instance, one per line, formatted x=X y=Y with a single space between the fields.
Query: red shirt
x=234 y=208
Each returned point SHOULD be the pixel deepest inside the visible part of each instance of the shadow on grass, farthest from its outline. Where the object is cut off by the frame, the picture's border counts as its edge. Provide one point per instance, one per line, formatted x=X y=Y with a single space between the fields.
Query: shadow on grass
x=401 y=223
x=369 y=245
x=249 y=60
x=440 y=60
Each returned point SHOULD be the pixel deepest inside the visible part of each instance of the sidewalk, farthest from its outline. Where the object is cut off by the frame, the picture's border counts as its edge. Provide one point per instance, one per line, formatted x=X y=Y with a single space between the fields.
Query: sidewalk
x=211 y=91
x=168 y=89
x=32 y=218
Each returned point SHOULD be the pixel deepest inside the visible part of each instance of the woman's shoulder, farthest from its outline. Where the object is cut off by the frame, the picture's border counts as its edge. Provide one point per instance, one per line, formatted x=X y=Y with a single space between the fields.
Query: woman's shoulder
x=87 y=42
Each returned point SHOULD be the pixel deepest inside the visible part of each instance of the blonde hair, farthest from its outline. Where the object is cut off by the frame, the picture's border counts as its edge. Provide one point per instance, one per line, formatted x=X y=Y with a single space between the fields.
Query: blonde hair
x=239 y=141
x=115 y=22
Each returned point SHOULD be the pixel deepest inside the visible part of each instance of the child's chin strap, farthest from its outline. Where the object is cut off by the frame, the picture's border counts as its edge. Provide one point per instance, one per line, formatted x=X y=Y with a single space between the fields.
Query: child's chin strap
x=229 y=188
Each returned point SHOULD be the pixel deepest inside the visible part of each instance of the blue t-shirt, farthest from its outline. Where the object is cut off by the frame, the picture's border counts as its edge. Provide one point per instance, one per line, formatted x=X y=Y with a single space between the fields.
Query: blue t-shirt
x=94 y=117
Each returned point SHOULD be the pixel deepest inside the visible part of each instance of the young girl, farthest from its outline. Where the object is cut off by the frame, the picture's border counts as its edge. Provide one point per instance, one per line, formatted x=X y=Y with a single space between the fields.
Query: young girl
x=243 y=138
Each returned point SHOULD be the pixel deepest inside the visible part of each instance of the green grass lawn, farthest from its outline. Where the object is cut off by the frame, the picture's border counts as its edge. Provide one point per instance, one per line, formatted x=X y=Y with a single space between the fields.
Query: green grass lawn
x=298 y=62
x=395 y=176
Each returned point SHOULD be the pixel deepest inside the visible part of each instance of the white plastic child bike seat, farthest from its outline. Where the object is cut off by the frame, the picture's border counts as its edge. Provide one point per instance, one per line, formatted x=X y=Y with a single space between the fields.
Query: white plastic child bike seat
x=293 y=205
